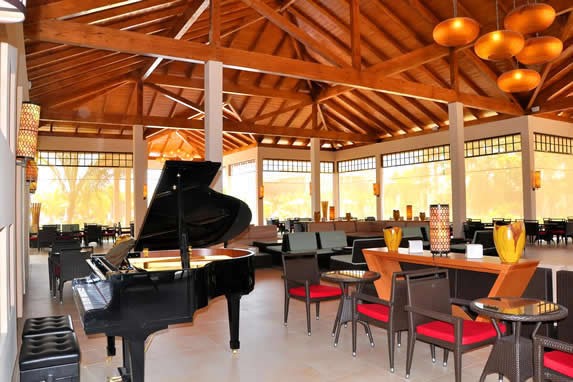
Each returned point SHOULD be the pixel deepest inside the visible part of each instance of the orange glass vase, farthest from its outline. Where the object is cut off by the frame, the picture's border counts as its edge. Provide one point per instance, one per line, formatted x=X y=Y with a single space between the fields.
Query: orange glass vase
x=392 y=238
x=509 y=241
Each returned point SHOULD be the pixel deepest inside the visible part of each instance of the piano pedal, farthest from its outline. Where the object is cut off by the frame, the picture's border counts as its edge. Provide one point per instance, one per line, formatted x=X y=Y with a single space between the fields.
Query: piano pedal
x=108 y=359
x=117 y=378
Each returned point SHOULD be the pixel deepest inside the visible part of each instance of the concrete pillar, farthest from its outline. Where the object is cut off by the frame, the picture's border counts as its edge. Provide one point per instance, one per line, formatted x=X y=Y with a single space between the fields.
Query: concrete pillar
x=139 y=176
x=527 y=167
x=214 y=116
x=456 y=134
x=314 y=175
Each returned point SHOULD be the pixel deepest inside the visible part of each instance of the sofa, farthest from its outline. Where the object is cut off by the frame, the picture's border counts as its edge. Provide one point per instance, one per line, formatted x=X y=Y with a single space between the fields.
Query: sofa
x=262 y=233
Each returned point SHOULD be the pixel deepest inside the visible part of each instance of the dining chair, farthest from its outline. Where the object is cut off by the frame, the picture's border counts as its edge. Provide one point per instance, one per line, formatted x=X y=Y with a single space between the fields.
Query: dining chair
x=71 y=264
x=387 y=314
x=552 y=359
x=430 y=320
x=302 y=282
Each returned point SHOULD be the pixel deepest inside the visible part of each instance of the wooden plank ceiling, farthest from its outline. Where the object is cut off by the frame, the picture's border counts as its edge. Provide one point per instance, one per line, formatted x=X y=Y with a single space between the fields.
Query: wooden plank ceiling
x=349 y=72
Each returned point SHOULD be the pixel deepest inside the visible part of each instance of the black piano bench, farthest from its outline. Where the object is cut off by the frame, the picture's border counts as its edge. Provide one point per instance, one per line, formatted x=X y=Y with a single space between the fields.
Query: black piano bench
x=47 y=325
x=50 y=358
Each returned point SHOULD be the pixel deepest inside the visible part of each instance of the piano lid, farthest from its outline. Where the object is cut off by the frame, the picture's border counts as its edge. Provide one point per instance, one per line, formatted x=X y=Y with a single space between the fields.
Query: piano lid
x=207 y=216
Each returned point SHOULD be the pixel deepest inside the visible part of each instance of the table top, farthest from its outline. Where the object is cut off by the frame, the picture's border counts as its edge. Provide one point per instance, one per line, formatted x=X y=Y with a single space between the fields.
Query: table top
x=350 y=276
x=519 y=309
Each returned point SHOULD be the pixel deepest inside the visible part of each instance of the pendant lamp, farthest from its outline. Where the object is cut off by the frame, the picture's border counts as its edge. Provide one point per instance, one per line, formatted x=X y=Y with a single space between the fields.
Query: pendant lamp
x=539 y=50
x=499 y=44
x=456 y=31
x=518 y=80
x=530 y=18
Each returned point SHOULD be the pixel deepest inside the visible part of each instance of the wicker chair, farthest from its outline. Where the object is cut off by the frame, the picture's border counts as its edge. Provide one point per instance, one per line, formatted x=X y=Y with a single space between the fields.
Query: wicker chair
x=389 y=315
x=552 y=360
x=430 y=320
x=71 y=264
x=302 y=282
x=53 y=258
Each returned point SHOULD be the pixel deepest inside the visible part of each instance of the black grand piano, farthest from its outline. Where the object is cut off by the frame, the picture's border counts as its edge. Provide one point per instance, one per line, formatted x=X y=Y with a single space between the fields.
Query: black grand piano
x=137 y=296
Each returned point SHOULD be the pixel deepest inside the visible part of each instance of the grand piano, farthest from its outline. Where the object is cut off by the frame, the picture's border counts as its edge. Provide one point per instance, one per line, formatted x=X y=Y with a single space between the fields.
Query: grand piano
x=173 y=276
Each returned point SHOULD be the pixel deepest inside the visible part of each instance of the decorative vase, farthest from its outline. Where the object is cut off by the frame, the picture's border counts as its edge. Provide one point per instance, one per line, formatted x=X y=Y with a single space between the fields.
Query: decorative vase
x=331 y=213
x=348 y=216
x=324 y=207
x=509 y=240
x=422 y=216
x=316 y=216
x=392 y=238
x=396 y=214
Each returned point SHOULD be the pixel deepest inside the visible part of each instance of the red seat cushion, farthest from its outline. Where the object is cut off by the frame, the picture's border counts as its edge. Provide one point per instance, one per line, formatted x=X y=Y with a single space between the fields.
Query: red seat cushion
x=559 y=361
x=376 y=311
x=472 y=332
x=317 y=291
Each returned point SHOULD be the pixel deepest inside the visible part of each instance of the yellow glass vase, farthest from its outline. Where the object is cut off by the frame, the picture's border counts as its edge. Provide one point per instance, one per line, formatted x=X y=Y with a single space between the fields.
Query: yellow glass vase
x=509 y=241
x=392 y=238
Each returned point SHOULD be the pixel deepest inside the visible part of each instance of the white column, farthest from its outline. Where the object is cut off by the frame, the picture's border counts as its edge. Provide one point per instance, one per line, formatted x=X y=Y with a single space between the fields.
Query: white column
x=456 y=132
x=314 y=175
x=214 y=116
x=379 y=199
x=527 y=167
x=139 y=176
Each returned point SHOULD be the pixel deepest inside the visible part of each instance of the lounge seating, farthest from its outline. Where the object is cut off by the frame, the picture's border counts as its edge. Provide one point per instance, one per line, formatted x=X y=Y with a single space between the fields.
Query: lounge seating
x=355 y=260
x=325 y=244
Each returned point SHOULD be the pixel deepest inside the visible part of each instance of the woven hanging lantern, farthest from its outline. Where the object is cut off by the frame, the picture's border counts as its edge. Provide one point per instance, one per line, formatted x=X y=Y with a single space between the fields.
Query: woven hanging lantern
x=12 y=11
x=539 y=50
x=31 y=171
x=530 y=18
x=518 y=80
x=28 y=131
x=457 y=31
x=499 y=45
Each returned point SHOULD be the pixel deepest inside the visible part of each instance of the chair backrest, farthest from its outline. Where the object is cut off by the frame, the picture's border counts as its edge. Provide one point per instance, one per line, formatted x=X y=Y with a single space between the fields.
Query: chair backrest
x=60 y=245
x=484 y=237
x=301 y=241
x=359 y=244
x=531 y=227
x=300 y=266
x=428 y=289
x=73 y=264
x=332 y=239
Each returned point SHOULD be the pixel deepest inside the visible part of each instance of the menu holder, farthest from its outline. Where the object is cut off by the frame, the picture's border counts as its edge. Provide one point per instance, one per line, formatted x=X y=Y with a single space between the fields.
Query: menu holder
x=415 y=246
x=474 y=251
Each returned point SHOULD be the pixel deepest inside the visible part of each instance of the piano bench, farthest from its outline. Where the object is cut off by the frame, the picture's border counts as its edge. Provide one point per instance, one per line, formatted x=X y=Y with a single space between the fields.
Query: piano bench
x=50 y=357
x=47 y=325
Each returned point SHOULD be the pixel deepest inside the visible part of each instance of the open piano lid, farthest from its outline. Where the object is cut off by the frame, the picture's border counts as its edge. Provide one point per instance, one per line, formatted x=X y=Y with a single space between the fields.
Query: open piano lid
x=207 y=216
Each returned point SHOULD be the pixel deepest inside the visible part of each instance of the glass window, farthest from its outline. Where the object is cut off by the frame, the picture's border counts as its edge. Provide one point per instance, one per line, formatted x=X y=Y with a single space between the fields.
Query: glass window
x=418 y=185
x=355 y=193
x=494 y=187
x=554 y=199
x=243 y=184
x=287 y=194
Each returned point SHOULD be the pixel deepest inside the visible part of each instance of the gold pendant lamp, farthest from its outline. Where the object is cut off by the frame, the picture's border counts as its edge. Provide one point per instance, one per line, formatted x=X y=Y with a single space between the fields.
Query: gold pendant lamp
x=530 y=18
x=518 y=80
x=499 y=44
x=539 y=50
x=456 y=31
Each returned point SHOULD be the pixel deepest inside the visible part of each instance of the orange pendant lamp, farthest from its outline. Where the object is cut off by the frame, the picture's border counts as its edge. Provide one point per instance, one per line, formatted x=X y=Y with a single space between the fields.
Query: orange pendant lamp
x=530 y=18
x=539 y=50
x=499 y=44
x=518 y=80
x=456 y=31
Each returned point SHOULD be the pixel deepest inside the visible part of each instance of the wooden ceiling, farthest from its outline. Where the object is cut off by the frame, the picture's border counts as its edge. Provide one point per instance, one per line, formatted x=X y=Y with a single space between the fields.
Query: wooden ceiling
x=349 y=72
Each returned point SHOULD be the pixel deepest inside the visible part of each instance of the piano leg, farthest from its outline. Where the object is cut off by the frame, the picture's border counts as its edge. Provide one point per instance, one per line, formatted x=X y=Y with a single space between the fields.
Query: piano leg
x=233 y=307
x=110 y=346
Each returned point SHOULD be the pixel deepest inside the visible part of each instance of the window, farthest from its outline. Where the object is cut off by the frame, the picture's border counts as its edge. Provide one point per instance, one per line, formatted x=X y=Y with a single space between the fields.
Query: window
x=243 y=183
x=355 y=180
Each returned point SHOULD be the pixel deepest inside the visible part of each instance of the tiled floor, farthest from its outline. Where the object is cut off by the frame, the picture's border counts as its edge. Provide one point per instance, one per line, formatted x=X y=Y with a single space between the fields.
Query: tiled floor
x=269 y=350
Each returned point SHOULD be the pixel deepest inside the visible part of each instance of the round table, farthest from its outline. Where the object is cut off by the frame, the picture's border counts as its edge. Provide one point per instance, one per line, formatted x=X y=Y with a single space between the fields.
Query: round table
x=347 y=278
x=512 y=355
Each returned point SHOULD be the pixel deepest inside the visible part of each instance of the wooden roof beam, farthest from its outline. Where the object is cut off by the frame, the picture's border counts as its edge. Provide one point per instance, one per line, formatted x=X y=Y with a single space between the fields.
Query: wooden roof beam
x=156 y=46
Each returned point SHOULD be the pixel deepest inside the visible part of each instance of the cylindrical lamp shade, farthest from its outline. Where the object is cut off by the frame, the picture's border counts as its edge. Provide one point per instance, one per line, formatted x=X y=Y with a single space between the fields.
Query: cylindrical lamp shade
x=28 y=131
x=439 y=228
x=457 y=31
x=539 y=50
x=31 y=171
x=409 y=212
x=518 y=80
x=499 y=45
x=12 y=11
x=530 y=18
x=331 y=213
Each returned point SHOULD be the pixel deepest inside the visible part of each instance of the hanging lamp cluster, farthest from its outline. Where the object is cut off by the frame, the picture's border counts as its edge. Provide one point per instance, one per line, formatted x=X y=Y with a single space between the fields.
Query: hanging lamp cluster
x=503 y=44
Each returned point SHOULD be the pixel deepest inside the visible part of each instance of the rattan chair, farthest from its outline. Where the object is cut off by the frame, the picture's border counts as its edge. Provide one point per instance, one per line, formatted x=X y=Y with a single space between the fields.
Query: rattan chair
x=53 y=258
x=552 y=360
x=71 y=264
x=430 y=320
x=302 y=282
x=387 y=314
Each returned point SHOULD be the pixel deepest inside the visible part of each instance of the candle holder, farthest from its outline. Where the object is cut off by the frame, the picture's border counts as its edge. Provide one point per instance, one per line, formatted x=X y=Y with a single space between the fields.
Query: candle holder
x=331 y=213
x=409 y=212
x=439 y=229
x=324 y=207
